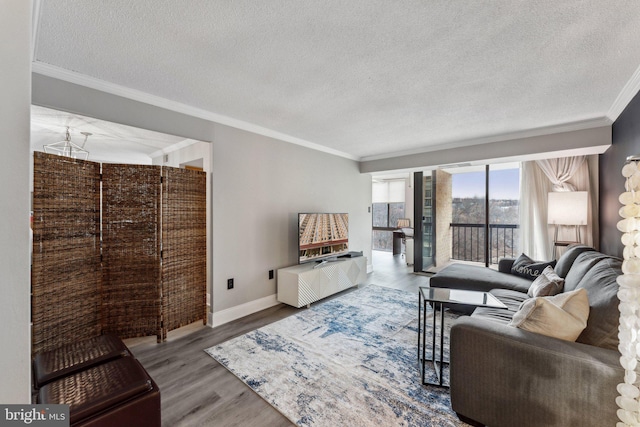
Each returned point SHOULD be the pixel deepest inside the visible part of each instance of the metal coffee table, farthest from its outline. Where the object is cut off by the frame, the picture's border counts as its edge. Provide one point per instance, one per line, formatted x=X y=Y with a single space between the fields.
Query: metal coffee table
x=444 y=297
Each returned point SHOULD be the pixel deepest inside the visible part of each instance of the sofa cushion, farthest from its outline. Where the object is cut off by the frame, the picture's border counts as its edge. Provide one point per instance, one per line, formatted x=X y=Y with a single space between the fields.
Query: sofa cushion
x=477 y=278
x=580 y=267
x=505 y=264
x=546 y=284
x=512 y=299
x=600 y=283
x=568 y=257
x=561 y=316
x=528 y=268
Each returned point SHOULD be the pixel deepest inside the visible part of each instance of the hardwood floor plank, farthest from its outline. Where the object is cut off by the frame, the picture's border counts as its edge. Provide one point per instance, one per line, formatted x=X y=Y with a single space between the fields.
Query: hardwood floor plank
x=196 y=390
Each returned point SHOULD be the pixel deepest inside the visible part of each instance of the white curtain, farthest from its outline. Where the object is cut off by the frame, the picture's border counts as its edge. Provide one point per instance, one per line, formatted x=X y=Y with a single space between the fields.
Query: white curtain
x=540 y=177
x=534 y=186
x=560 y=171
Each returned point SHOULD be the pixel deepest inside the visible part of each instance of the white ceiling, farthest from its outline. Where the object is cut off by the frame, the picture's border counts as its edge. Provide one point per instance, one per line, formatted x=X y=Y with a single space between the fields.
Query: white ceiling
x=366 y=78
x=108 y=142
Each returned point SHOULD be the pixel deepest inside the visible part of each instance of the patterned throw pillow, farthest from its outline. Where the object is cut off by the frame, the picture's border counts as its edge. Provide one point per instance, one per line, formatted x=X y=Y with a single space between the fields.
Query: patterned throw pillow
x=546 y=284
x=526 y=267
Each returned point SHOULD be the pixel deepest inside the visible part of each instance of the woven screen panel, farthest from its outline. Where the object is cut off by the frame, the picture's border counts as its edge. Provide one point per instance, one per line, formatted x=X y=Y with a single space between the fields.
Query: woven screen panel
x=131 y=291
x=65 y=274
x=184 y=247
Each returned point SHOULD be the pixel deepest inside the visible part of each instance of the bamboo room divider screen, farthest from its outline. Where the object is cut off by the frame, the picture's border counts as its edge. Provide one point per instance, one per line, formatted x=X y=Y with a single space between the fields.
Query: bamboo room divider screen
x=184 y=247
x=131 y=270
x=152 y=276
x=65 y=272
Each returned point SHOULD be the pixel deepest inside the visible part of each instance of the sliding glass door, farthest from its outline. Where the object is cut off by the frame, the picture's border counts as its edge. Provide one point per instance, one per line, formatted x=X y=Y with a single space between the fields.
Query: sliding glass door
x=424 y=215
x=469 y=221
x=428 y=214
x=485 y=213
x=466 y=214
x=504 y=211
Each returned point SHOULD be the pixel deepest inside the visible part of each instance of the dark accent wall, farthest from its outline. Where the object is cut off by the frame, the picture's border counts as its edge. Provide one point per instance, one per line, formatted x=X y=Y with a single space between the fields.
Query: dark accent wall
x=625 y=142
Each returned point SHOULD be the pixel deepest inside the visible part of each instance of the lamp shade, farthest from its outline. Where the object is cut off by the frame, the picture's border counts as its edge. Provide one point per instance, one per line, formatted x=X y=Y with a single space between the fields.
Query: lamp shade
x=567 y=208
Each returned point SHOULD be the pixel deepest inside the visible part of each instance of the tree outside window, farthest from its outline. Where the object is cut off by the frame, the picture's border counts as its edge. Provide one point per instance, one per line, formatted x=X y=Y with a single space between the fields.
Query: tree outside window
x=385 y=220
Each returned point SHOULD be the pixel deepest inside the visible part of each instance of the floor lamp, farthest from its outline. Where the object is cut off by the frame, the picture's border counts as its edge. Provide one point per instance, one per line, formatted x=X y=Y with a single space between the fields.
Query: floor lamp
x=567 y=208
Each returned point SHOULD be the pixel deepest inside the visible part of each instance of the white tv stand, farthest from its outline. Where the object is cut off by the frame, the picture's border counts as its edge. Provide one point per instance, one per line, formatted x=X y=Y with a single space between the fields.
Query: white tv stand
x=304 y=284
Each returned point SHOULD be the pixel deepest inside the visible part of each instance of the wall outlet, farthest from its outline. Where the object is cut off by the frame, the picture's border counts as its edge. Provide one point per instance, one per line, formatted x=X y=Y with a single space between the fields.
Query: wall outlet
x=270 y=274
x=229 y=283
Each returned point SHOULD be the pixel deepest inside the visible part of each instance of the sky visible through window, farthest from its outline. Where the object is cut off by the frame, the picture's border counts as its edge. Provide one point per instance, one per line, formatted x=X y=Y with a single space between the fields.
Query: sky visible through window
x=503 y=184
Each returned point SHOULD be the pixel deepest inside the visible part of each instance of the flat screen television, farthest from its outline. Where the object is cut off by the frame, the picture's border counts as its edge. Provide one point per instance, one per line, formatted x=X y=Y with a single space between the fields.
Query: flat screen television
x=322 y=236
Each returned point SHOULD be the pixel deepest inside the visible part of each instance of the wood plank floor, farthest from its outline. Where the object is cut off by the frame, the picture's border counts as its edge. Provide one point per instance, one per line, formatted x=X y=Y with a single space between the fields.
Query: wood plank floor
x=198 y=391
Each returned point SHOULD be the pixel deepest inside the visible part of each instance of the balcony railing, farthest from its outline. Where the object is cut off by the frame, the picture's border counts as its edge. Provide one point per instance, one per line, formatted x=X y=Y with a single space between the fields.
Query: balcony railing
x=468 y=241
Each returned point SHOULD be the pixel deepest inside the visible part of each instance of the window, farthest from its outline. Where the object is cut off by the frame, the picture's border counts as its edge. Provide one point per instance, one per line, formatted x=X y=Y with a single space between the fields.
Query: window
x=469 y=204
x=380 y=215
x=385 y=220
x=388 y=208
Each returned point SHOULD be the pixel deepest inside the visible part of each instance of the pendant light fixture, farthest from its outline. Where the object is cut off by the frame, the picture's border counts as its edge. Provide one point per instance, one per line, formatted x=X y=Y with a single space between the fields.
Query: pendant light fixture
x=68 y=148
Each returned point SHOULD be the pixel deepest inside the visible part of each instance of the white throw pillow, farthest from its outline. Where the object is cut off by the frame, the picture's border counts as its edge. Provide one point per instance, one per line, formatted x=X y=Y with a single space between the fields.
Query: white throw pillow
x=561 y=316
x=546 y=284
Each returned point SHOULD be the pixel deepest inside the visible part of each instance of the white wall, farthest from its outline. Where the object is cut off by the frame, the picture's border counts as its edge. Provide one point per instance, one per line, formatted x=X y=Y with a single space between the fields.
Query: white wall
x=408 y=200
x=259 y=186
x=15 y=87
x=197 y=151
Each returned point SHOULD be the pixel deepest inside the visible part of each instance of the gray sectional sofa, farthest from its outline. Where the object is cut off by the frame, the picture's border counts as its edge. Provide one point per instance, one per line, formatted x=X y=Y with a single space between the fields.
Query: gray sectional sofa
x=504 y=376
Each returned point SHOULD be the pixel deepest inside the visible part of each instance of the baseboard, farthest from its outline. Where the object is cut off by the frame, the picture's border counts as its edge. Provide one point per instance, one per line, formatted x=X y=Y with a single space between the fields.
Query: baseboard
x=225 y=316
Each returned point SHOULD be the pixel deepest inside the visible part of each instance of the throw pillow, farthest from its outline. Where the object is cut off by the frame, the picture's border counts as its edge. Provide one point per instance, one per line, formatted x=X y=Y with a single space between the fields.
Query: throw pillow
x=526 y=267
x=562 y=316
x=547 y=284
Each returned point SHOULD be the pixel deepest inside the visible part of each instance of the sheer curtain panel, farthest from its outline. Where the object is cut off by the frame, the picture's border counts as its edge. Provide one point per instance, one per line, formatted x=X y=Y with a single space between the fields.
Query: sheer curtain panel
x=543 y=176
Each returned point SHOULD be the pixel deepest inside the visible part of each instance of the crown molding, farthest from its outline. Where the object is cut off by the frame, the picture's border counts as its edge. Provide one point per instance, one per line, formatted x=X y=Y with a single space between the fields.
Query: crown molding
x=547 y=130
x=629 y=91
x=625 y=96
x=157 y=101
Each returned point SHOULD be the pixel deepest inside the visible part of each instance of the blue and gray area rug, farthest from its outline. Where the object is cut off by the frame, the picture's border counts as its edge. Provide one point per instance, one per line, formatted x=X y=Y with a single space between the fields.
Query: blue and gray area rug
x=349 y=361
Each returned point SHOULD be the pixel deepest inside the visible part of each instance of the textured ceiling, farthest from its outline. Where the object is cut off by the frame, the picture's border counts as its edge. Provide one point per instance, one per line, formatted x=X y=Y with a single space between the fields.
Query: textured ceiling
x=369 y=78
